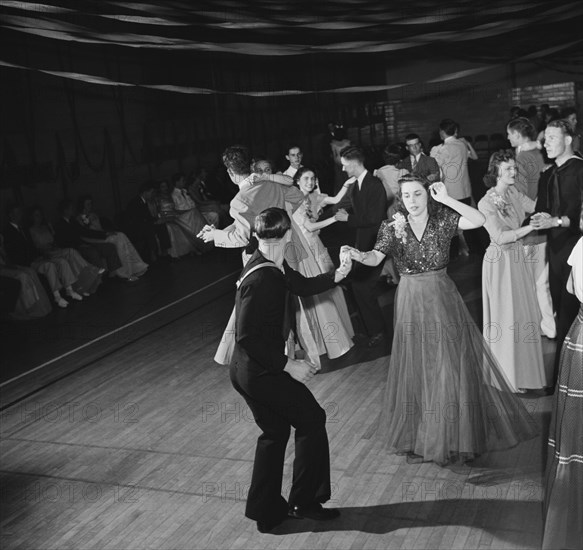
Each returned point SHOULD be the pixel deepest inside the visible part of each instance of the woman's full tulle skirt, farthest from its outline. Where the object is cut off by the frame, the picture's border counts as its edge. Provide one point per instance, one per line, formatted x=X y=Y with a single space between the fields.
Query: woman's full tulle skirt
x=446 y=398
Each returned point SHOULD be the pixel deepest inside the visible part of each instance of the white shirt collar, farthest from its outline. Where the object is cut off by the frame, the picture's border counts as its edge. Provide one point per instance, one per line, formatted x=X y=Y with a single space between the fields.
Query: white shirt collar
x=449 y=138
x=361 y=178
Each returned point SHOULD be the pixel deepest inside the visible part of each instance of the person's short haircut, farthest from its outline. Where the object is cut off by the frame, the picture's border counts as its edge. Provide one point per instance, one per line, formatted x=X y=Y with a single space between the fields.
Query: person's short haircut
x=146 y=186
x=410 y=137
x=272 y=223
x=352 y=152
x=449 y=126
x=523 y=126
x=237 y=159
x=563 y=125
x=496 y=159
x=292 y=146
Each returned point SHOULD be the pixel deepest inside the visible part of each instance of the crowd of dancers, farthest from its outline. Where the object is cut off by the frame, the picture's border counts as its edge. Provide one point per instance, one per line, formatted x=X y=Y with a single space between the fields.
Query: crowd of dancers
x=440 y=360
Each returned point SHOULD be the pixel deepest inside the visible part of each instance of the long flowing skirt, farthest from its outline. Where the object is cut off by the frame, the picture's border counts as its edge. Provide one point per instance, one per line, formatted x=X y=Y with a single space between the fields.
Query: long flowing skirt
x=183 y=230
x=563 y=504
x=512 y=315
x=132 y=264
x=87 y=276
x=322 y=321
x=446 y=398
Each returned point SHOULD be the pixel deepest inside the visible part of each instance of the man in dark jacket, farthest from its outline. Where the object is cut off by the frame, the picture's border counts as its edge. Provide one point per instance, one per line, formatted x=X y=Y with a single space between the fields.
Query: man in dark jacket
x=369 y=208
x=273 y=385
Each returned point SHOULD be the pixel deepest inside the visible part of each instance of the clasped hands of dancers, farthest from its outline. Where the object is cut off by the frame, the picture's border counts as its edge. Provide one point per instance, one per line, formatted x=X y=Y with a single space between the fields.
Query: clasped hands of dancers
x=444 y=373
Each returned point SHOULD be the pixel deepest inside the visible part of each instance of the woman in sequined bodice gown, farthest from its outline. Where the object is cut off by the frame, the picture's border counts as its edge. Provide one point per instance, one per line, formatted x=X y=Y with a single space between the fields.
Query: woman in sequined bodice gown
x=446 y=398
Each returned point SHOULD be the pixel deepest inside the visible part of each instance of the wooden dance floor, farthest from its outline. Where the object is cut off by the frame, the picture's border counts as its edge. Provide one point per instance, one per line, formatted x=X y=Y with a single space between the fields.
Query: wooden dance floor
x=150 y=447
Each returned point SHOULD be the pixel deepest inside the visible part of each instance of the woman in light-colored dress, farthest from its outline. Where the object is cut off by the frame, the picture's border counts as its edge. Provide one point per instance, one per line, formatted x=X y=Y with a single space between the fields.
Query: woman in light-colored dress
x=132 y=265
x=88 y=277
x=324 y=322
x=511 y=314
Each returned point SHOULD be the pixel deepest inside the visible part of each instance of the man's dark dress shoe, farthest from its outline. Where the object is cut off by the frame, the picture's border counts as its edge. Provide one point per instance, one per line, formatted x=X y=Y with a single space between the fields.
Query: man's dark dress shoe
x=314 y=511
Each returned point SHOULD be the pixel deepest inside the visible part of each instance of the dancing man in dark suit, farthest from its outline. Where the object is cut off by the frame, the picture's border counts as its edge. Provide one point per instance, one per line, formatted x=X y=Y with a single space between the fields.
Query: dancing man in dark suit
x=273 y=385
x=369 y=208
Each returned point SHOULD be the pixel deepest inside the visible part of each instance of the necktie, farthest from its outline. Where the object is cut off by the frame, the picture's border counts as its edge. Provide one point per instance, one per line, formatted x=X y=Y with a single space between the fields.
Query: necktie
x=413 y=163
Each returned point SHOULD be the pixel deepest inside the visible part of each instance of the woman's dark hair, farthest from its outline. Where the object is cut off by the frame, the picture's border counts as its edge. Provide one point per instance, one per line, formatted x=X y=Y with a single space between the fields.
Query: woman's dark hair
x=272 y=223
x=496 y=159
x=301 y=171
x=392 y=154
x=432 y=205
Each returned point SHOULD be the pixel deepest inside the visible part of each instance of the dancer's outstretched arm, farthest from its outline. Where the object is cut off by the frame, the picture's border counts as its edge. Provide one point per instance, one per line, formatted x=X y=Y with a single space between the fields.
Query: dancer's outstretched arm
x=471 y=218
x=371 y=258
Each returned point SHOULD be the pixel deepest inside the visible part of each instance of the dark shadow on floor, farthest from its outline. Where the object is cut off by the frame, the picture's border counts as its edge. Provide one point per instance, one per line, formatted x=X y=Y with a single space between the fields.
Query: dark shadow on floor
x=479 y=513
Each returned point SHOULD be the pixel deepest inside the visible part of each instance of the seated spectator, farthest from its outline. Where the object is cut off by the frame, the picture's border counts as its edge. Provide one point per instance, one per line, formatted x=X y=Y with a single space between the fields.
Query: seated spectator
x=187 y=214
x=21 y=251
x=213 y=211
x=130 y=265
x=88 y=276
x=182 y=240
x=69 y=234
x=9 y=291
x=148 y=234
x=31 y=300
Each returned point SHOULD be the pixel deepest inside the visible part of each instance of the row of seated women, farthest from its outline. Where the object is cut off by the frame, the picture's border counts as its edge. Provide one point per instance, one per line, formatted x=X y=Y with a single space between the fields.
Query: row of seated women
x=28 y=251
x=80 y=247
x=73 y=254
